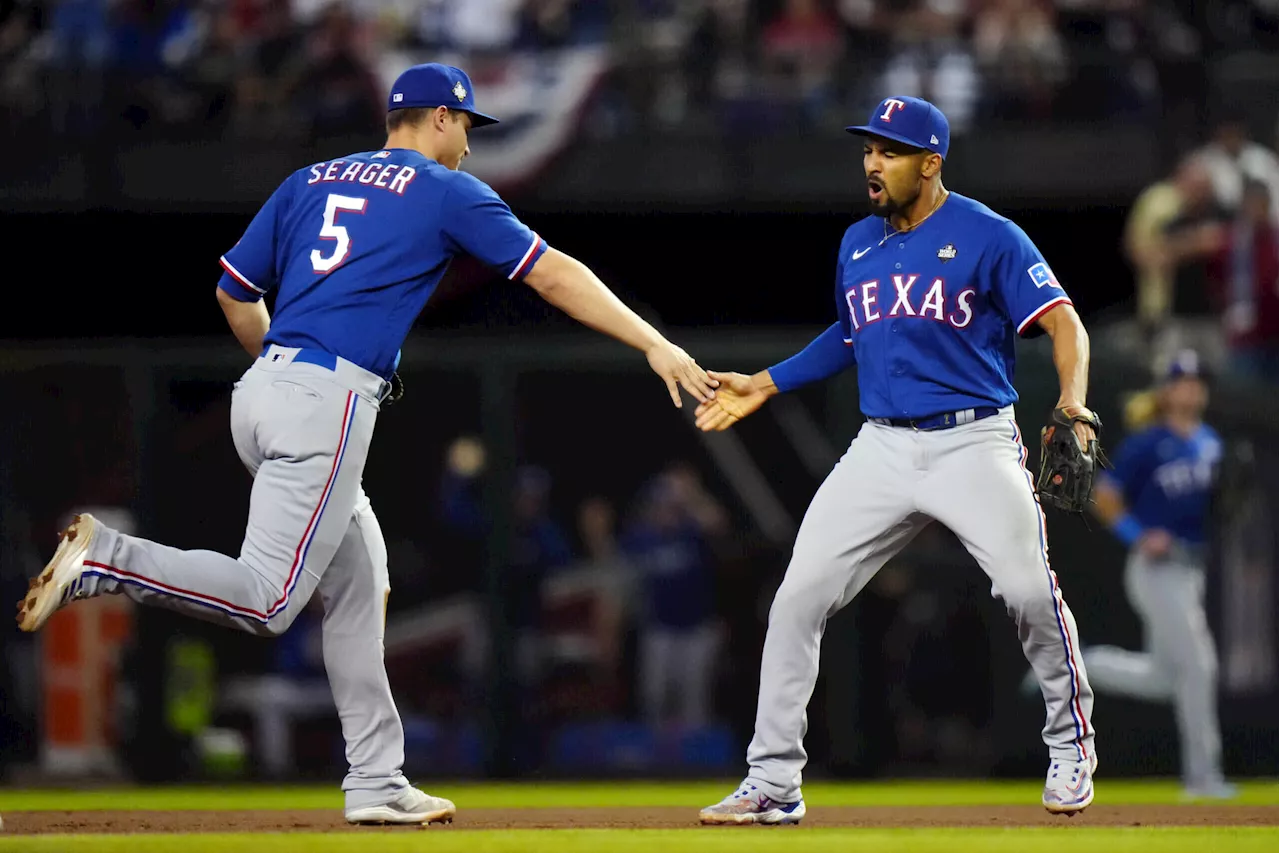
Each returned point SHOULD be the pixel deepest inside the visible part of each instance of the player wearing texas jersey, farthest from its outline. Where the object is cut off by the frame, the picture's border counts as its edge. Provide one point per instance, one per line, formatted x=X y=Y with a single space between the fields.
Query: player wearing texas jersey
x=352 y=249
x=1157 y=501
x=930 y=297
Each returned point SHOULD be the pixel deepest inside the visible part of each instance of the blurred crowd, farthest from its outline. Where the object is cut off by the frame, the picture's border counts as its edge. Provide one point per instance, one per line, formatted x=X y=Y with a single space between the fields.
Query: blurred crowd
x=619 y=608
x=207 y=67
x=1203 y=243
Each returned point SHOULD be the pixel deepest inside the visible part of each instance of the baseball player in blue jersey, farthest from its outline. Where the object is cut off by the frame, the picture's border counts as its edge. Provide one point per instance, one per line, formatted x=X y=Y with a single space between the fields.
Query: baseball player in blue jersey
x=1157 y=501
x=931 y=294
x=352 y=248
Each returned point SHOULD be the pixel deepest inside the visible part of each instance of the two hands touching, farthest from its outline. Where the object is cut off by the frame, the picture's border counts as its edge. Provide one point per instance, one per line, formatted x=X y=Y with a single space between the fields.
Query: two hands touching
x=737 y=396
x=678 y=370
x=723 y=398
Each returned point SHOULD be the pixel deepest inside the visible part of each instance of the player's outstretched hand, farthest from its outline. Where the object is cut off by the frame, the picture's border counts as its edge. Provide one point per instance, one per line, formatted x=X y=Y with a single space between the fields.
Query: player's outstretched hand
x=678 y=369
x=737 y=397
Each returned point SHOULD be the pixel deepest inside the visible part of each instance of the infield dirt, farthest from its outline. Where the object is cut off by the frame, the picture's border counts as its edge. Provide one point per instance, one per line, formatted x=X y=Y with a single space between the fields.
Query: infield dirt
x=878 y=817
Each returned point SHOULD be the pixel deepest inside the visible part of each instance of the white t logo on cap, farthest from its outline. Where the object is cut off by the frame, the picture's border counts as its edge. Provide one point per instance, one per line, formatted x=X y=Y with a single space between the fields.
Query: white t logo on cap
x=890 y=105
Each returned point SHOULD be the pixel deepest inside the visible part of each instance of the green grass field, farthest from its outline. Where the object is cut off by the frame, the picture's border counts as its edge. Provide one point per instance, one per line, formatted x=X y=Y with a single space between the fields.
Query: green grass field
x=1144 y=839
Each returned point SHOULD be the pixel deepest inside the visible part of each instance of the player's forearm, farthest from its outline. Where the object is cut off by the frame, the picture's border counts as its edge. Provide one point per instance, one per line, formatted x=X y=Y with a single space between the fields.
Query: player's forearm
x=573 y=288
x=1070 y=355
x=249 y=322
x=1109 y=506
x=825 y=356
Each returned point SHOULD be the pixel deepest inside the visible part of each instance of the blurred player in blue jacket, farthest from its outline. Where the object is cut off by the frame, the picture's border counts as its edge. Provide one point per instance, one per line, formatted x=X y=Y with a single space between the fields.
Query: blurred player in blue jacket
x=1157 y=501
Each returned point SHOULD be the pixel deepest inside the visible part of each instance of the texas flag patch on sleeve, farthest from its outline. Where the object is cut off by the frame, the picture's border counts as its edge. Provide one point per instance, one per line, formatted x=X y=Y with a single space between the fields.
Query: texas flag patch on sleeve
x=1043 y=276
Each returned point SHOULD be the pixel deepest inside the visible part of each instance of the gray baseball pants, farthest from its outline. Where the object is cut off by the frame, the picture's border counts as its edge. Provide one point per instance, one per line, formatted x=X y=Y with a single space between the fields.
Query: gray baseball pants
x=890 y=483
x=1180 y=664
x=303 y=431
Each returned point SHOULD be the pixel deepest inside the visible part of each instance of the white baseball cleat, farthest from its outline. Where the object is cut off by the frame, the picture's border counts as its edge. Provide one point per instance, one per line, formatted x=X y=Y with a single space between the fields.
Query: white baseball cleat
x=411 y=807
x=56 y=585
x=1068 y=787
x=748 y=804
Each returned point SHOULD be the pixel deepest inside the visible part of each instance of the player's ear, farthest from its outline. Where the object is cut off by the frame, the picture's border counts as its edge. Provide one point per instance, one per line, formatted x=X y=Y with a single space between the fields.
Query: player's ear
x=932 y=165
x=439 y=116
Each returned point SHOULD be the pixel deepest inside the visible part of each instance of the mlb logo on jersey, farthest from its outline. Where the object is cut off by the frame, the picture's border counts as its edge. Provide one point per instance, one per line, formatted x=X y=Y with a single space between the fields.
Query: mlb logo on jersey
x=1043 y=276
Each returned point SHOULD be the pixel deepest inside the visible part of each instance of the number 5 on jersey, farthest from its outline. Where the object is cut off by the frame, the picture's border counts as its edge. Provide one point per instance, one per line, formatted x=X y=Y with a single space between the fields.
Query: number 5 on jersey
x=330 y=230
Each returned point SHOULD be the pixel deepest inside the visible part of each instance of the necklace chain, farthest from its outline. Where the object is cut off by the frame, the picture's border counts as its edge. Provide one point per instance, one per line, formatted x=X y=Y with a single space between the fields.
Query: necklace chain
x=909 y=228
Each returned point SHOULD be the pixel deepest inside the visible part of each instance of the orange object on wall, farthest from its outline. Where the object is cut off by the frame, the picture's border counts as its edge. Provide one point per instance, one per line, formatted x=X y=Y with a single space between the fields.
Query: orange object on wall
x=80 y=648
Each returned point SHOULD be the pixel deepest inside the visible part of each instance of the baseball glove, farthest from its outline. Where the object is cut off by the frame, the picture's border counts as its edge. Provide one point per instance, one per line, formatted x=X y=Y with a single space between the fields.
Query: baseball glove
x=1066 y=468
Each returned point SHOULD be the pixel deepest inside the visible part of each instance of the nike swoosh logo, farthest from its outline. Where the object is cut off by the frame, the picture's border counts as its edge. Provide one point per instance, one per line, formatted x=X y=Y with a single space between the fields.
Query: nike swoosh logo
x=857 y=255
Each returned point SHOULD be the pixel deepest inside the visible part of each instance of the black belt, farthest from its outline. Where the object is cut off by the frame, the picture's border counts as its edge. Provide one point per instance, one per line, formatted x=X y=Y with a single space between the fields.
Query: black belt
x=946 y=420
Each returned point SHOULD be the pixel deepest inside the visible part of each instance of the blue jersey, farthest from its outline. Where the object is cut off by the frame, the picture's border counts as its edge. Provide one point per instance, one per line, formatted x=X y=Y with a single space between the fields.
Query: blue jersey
x=932 y=314
x=1167 y=480
x=354 y=248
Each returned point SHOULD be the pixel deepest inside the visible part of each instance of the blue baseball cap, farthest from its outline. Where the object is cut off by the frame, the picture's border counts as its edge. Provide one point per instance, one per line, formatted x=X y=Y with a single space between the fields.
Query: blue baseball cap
x=911 y=121
x=434 y=85
x=1184 y=363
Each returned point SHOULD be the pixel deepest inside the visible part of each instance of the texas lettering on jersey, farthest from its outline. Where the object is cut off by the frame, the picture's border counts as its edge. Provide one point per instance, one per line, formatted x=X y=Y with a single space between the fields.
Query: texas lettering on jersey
x=1168 y=479
x=933 y=314
x=931 y=304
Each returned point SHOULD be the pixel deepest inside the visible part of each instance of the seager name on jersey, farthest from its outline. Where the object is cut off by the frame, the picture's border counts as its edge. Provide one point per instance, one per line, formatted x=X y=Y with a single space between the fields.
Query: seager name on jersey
x=392 y=177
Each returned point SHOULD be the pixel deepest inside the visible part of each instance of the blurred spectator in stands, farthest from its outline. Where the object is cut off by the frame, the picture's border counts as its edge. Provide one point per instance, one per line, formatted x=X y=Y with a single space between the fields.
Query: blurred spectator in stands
x=548 y=24
x=931 y=59
x=21 y=25
x=1173 y=229
x=75 y=49
x=670 y=543
x=270 y=43
x=1232 y=158
x=215 y=70
x=151 y=41
x=1244 y=277
x=331 y=80
x=1113 y=76
x=867 y=32
x=1022 y=58
x=478 y=27
x=539 y=546
x=721 y=56
x=461 y=537
x=613 y=577
x=799 y=51
x=587 y=612
x=1264 y=18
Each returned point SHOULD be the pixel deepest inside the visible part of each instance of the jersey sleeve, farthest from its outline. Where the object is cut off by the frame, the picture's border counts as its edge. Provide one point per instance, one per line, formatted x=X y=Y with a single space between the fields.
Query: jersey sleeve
x=249 y=269
x=843 y=320
x=478 y=222
x=1024 y=284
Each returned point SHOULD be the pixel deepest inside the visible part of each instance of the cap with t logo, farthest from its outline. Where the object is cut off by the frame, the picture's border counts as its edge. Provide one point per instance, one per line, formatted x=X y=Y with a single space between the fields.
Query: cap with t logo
x=911 y=121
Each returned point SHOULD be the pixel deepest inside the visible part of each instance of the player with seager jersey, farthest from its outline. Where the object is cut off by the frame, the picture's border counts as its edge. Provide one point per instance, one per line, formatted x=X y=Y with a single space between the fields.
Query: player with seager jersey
x=352 y=249
x=931 y=295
